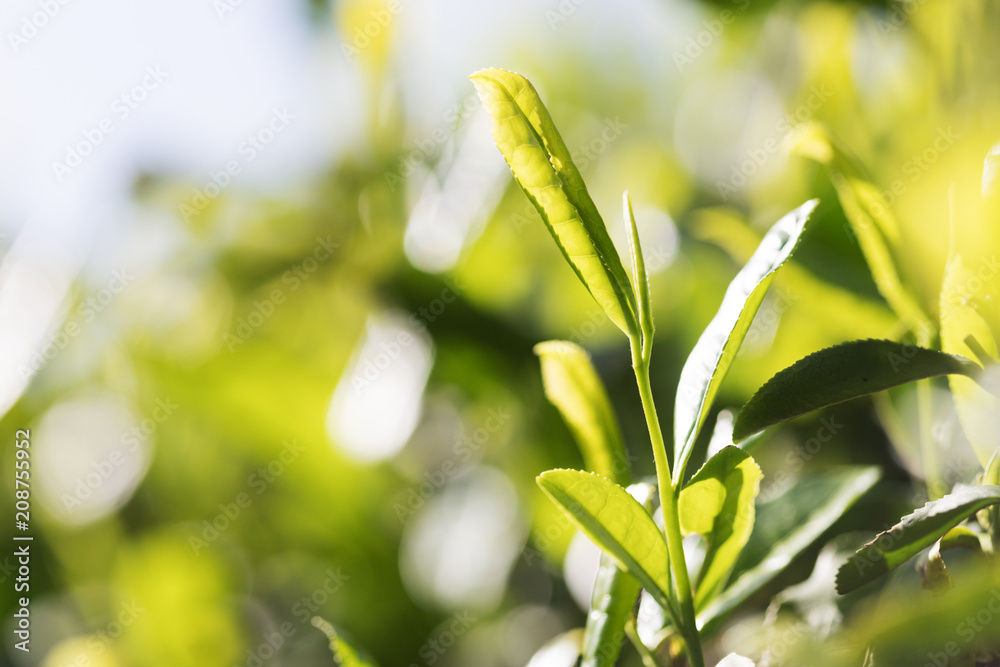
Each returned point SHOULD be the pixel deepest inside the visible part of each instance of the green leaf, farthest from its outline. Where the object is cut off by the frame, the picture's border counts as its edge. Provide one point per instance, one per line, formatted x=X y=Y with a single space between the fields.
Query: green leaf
x=344 y=653
x=838 y=374
x=573 y=386
x=527 y=137
x=718 y=503
x=611 y=602
x=912 y=534
x=614 y=595
x=714 y=353
x=961 y=537
x=616 y=522
x=843 y=488
x=870 y=218
x=640 y=279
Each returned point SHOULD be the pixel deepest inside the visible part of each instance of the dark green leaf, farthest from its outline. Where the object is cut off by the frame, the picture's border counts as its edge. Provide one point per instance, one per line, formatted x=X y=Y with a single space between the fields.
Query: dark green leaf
x=838 y=374
x=912 y=534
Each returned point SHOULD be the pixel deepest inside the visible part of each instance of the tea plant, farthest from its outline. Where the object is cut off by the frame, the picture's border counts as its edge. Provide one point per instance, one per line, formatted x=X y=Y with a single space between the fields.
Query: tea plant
x=717 y=502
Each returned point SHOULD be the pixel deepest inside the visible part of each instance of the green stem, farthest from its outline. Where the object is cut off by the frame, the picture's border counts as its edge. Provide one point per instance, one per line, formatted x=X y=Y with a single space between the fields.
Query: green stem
x=668 y=504
x=648 y=657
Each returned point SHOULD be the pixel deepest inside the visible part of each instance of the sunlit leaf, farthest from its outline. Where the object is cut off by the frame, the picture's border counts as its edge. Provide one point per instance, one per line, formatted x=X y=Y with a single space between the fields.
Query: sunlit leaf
x=718 y=503
x=912 y=534
x=712 y=356
x=611 y=602
x=344 y=654
x=573 y=386
x=845 y=488
x=963 y=295
x=537 y=156
x=870 y=218
x=616 y=522
x=838 y=374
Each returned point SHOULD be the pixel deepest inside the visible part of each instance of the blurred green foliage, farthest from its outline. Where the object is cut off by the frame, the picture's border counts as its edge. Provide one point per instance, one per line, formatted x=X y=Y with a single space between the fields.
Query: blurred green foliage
x=249 y=518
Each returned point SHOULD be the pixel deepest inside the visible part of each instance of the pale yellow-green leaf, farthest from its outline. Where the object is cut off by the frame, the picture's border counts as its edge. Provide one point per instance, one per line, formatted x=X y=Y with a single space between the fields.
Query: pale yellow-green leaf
x=573 y=386
x=538 y=157
x=616 y=522
x=718 y=503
